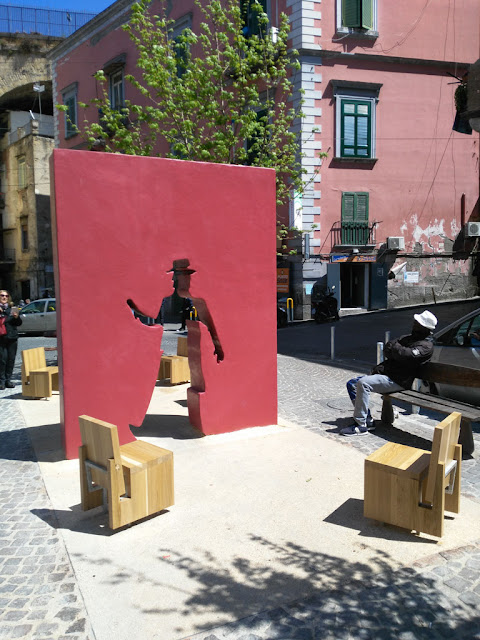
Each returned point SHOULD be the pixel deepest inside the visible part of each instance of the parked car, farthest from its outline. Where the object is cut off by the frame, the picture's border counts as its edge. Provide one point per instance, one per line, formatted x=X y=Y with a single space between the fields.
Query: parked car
x=459 y=343
x=39 y=316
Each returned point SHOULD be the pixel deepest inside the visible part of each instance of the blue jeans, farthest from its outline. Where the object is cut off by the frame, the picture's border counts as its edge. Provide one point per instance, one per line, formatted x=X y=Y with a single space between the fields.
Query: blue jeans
x=359 y=390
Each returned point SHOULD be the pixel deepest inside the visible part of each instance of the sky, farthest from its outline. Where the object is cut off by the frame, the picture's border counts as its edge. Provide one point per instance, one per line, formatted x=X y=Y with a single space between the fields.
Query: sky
x=84 y=6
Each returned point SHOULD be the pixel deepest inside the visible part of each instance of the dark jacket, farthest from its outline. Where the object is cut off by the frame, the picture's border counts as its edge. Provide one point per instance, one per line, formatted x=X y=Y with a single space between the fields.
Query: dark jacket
x=404 y=359
x=11 y=324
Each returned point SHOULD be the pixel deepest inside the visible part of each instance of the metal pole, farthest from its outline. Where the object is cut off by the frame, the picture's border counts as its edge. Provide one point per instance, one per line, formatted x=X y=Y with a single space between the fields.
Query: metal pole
x=387 y=336
x=332 y=343
x=289 y=309
x=416 y=387
x=379 y=352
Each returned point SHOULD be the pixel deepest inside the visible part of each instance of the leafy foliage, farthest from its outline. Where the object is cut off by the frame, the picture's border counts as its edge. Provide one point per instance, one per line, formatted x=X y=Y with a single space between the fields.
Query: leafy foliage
x=219 y=94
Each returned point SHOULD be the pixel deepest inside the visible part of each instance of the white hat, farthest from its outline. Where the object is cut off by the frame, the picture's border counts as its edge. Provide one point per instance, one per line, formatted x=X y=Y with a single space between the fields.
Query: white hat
x=426 y=319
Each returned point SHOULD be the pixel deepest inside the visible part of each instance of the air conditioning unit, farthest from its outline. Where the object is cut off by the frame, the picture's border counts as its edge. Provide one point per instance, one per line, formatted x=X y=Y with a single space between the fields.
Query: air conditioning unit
x=472 y=229
x=396 y=243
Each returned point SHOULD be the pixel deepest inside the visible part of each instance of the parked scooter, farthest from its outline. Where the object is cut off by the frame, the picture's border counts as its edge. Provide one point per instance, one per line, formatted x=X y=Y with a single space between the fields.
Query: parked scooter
x=282 y=316
x=326 y=309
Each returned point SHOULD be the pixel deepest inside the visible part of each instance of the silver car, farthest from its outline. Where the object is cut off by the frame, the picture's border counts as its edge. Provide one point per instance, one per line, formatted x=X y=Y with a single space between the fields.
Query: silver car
x=459 y=343
x=39 y=316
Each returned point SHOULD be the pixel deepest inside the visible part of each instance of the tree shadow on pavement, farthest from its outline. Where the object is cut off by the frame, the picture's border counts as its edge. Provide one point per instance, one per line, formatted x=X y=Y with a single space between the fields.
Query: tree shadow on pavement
x=288 y=591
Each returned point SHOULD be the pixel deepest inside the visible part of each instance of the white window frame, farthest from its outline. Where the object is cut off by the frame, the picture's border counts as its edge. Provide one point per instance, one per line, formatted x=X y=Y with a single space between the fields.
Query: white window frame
x=357 y=32
x=365 y=94
x=116 y=79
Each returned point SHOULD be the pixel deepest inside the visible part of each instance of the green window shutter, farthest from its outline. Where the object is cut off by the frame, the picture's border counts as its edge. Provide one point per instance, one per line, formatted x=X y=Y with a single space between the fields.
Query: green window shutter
x=361 y=212
x=367 y=14
x=354 y=218
x=348 y=207
x=357 y=14
x=351 y=13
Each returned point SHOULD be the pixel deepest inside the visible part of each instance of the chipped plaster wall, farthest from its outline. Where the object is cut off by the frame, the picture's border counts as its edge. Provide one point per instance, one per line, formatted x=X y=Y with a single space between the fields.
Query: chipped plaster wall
x=437 y=235
x=440 y=278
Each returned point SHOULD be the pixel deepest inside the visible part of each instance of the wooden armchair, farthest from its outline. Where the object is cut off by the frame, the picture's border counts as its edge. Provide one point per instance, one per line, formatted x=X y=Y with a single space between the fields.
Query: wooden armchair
x=412 y=488
x=38 y=380
x=136 y=478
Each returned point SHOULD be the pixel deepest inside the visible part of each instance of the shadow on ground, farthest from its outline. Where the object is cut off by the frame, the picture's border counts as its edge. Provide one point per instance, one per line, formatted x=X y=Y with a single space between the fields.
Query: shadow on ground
x=335 y=598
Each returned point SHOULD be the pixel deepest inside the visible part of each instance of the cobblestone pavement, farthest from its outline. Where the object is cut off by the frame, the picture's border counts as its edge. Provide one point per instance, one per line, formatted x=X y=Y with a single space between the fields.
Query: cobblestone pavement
x=438 y=597
x=39 y=596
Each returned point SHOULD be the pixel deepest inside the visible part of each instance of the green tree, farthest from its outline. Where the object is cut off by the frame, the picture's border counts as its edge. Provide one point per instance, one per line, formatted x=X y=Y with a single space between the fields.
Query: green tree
x=220 y=94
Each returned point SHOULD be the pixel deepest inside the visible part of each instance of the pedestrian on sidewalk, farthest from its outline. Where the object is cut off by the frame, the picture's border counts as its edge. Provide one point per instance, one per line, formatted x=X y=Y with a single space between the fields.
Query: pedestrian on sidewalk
x=187 y=306
x=9 y=321
x=404 y=358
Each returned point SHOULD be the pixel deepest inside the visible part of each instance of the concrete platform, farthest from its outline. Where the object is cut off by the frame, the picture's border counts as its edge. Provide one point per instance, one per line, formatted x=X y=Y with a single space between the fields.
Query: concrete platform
x=261 y=518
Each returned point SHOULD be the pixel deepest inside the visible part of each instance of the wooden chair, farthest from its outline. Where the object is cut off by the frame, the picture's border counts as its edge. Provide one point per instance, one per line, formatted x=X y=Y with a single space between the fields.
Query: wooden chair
x=174 y=367
x=182 y=346
x=136 y=478
x=412 y=488
x=38 y=380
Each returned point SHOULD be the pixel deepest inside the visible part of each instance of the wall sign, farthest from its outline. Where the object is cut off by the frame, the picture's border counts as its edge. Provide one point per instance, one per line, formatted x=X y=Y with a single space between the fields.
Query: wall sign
x=283 y=276
x=411 y=276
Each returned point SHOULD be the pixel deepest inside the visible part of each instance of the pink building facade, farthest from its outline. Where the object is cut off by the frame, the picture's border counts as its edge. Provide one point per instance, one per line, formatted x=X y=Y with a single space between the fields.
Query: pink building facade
x=385 y=213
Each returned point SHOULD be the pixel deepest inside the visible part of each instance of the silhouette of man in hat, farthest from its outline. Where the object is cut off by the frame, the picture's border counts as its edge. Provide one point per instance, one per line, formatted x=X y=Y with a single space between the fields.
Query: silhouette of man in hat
x=182 y=277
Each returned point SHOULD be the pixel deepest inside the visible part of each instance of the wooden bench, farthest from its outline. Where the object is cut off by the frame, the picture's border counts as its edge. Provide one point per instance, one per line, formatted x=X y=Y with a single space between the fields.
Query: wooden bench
x=446 y=374
x=135 y=480
x=38 y=380
x=412 y=488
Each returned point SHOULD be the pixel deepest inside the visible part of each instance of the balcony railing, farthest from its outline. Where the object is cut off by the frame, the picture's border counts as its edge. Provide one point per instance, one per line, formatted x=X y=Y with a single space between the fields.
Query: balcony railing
x=48 y=22
x=7 y=255
x=359 y=234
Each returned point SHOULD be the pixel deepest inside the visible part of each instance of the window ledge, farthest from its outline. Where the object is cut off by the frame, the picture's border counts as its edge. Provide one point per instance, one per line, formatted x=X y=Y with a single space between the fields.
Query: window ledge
x=366 y=34
x=365 y=161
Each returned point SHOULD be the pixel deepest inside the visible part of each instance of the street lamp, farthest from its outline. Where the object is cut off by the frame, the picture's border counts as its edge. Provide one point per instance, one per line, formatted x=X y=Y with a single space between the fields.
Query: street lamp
x=39 y=88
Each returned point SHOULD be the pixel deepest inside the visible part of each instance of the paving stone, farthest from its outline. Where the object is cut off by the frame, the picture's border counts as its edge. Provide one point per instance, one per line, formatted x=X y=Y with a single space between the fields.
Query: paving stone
x=470 y=598
x=19 y=631
x=10 y=615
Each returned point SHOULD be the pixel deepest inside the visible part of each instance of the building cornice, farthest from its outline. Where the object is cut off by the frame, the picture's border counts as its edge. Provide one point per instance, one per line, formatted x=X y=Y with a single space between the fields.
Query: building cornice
x=374 y=58
x=117 y=13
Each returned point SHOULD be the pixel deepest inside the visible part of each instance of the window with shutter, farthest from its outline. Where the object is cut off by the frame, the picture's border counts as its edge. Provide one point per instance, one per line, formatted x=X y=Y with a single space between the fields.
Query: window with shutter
x=355 y=119
x=357 y=14
x=355 y=218
x=356 y=128
x=250 y=12
x=117 y=90
x=69 y=96
x=181 y=48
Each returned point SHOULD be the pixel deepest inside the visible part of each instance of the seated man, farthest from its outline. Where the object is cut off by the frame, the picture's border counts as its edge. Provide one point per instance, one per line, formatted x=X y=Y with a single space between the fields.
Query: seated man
x=403 y=360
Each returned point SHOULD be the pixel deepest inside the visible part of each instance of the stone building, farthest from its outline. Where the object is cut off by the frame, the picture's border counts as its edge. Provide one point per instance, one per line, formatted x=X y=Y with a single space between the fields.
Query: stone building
x=26 y=143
